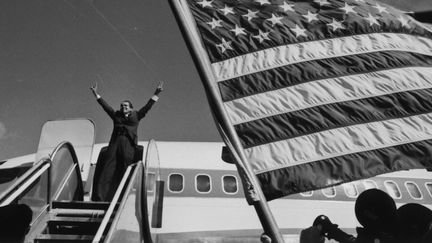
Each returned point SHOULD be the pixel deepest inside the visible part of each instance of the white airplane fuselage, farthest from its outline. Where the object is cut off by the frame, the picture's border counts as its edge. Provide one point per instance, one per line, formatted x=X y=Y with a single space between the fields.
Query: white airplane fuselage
x=204 y=200
x=205 y=207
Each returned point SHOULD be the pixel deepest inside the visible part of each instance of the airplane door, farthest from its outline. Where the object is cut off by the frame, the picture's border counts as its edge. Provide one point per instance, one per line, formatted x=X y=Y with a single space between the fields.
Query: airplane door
x=79 y=132
x=152 y=193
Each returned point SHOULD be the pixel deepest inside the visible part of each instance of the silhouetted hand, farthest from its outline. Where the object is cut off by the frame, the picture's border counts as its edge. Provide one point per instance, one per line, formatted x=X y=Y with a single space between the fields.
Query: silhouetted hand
x=312 y=235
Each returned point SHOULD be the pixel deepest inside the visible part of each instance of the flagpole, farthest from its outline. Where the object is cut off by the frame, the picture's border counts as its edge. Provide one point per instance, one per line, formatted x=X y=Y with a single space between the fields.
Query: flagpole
x=227 y=131
x=261 y=206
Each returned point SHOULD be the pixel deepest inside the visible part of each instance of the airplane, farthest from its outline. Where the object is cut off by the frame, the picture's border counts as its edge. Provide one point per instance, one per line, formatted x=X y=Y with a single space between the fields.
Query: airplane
x=179 y=192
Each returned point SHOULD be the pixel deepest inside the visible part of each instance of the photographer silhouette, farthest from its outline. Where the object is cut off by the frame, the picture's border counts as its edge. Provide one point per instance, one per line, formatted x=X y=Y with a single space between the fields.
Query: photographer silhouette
x=376 y=212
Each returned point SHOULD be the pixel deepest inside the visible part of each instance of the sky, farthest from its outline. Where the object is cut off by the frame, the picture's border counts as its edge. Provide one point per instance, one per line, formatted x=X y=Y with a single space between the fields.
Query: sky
x=52 y=51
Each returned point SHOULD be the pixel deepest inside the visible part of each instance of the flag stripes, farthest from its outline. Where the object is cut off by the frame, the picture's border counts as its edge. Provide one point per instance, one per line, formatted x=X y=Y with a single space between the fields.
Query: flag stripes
x=327 y=91
x=333 y=171
x=308 y=121
x=300 y=52
x=318 y=69
x=339 y=141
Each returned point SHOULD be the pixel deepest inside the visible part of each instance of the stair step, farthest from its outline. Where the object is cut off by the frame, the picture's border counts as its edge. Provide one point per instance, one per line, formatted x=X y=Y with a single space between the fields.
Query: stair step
x=80 y=205
x=73 y=225
x=57 y=238
x=73 y=220
x=89 y=213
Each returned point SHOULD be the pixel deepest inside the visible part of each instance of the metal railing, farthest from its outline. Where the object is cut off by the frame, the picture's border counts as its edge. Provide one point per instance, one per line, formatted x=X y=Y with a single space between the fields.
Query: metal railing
x=133 y=191
x=64 y=165
x=23 y=183
x=35 y=187
x=135 y=179
x=110 y=211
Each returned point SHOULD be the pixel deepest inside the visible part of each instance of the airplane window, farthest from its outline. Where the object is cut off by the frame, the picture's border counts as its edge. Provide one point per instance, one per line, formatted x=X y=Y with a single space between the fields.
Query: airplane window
x=230 y=184
x=306 y=194
x=369 y=184
x=413 y=190
x=393 y=189
x=175 y=183
x=429 y=188
x=203 y=183
x=350 y=189
x=329 y=192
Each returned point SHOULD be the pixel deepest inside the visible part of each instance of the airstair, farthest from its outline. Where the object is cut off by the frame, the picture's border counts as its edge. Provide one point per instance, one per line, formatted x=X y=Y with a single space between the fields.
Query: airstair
x=73 y=222
x=54 y=190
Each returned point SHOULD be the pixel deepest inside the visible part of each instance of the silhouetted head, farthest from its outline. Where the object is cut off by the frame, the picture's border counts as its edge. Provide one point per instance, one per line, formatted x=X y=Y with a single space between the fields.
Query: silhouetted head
x=14 y=222
x=126 y=107
x=376 y=211
x=427 y=238
x=415 y=220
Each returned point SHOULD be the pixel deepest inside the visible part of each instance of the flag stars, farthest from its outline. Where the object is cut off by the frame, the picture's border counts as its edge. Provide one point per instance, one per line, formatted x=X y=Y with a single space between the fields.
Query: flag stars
x=299 y=31
x=250 y=15
x=336 y=25
x=225 y=45
x=215 y=23
x=227 y=10
x=403 y=21
x=322 y=2
x=287 y=7
x=380 y=8
x=372 y=20
x=238 y=30
x=262 y=2
x=206 y=3
x=310 y=16
x=262 y=36
x=348 y=9
x=275 y=20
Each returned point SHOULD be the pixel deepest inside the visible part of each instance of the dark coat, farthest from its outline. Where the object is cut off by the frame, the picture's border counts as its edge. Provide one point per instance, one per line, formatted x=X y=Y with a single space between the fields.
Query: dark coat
x=127 y=125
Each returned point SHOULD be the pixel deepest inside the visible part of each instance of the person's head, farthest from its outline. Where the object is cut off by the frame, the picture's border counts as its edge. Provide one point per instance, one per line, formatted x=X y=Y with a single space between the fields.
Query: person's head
x=376 y=211
x=15 y=221
x=415 y=220
x=265 y=238
x=126 y=107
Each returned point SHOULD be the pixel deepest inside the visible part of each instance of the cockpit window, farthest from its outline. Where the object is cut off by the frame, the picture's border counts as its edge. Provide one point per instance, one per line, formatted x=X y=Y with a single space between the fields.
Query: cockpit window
x=175 y=183
x=350 y=190
x=413 y=190
x=393 y=189
x=329 y=191
x=229 y=184
x=203 y=183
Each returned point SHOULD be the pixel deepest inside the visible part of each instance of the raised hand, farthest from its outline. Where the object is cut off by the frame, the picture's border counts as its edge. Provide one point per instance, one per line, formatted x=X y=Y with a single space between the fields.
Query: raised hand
x=93 y=88
x=159 y=88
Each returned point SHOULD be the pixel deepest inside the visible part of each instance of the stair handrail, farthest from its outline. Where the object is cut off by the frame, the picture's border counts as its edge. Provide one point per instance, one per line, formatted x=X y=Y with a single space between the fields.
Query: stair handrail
x=98 y=236
x=138 y=168
x=71 y=149
x=24 y=181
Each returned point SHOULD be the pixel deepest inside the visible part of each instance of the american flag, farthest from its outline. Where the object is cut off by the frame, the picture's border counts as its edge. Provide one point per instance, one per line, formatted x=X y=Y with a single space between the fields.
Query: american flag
x=320 y=92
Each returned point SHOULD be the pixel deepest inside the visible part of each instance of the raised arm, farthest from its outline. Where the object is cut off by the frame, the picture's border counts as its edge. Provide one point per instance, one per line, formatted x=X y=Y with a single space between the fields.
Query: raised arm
x=107 y=108
x=143 y=111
